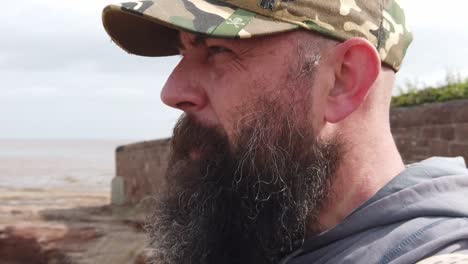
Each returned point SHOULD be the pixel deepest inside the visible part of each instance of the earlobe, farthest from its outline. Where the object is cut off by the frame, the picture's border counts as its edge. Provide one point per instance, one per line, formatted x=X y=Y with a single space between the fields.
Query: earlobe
x=356 y=66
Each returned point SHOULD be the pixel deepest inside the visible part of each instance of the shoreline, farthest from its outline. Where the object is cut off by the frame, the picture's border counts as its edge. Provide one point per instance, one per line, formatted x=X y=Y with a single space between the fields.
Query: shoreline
x=55 y=205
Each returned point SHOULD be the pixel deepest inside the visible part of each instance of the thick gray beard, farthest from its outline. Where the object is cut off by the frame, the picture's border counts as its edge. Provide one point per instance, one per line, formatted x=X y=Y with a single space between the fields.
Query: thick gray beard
x=250 y=204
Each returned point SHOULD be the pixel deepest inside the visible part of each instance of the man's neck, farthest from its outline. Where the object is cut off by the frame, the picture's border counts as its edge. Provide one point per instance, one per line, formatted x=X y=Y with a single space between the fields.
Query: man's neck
x=366 y=166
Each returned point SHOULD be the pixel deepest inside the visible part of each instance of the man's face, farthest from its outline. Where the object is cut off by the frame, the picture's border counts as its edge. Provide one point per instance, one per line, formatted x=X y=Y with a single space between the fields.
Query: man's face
x=247 y=175
x=218 y=79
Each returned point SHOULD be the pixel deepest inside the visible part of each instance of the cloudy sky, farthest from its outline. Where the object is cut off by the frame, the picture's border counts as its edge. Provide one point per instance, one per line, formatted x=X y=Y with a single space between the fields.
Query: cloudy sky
x=62 y=77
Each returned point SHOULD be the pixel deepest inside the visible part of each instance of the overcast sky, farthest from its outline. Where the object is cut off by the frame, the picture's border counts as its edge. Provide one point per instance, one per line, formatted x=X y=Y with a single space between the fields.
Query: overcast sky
x=62 y=77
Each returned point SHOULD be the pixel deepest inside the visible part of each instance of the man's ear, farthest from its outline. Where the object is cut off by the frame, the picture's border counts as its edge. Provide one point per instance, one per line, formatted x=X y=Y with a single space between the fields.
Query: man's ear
x=356 y=65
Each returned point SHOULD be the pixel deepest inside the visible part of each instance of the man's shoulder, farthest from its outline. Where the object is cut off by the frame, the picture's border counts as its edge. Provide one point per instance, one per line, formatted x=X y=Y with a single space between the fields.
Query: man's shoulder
x=444 y=165
x=446 y=259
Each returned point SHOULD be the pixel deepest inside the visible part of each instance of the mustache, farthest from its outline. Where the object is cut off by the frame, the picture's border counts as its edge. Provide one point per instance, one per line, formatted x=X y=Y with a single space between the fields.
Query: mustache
x=191 y=135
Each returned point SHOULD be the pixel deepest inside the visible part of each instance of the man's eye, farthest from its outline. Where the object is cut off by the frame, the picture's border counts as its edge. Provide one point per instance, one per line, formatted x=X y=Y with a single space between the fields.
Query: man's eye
x=213 y=50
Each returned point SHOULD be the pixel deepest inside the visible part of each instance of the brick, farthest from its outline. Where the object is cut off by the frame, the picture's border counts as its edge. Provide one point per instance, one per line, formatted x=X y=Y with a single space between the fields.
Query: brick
x=408 y=134
x=447 y=133
x=461 y=132
x=439 y=148
x=406 y=117
x=430 y=114
x=460 y=111
x=438 y=116
x=417 y=152
x=398 y=131
x=410 y=145
x=416 y=156
x=457 y=149
x=430 y=132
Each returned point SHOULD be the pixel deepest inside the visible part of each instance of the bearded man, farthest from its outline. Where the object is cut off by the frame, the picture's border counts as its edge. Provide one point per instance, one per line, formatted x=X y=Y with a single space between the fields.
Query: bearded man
x=284 y=153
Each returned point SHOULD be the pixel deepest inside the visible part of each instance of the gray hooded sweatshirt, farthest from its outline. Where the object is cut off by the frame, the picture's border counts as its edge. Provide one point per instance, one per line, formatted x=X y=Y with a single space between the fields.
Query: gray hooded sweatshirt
x=422 y=212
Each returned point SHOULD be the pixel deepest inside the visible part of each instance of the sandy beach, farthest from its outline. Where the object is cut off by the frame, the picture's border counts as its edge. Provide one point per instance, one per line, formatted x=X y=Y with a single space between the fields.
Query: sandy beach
x=54 y=204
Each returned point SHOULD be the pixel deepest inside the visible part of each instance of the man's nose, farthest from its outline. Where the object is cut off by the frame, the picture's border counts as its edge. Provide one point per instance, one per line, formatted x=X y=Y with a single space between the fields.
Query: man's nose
x=183 y=89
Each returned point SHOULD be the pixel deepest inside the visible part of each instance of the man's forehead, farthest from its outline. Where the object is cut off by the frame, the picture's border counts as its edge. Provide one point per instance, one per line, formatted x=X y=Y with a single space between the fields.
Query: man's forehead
x=193 y=39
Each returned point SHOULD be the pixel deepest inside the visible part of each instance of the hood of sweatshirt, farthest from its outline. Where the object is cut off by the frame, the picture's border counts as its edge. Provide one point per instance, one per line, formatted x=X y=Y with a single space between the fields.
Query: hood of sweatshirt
x=417 y=214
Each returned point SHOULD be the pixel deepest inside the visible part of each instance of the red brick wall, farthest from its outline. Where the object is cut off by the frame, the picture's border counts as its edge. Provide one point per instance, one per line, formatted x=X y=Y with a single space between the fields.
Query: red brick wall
x=438 y=129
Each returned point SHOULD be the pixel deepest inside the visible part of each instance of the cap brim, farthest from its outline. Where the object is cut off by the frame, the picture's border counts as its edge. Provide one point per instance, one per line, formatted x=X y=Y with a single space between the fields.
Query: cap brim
x=150 y=28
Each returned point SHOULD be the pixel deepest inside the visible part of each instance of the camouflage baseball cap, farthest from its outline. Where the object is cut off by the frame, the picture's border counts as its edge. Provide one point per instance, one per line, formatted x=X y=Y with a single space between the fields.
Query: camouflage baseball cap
x=150 y=28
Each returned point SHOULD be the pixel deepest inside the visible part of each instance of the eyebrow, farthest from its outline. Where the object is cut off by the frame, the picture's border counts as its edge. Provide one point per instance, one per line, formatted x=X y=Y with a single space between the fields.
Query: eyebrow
x=196 y=41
